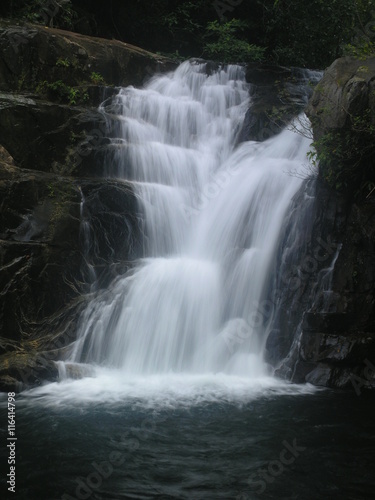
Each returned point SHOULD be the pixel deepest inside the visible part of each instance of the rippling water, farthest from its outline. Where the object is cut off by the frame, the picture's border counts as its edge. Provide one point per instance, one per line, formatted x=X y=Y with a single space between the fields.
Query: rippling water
x=186 y=437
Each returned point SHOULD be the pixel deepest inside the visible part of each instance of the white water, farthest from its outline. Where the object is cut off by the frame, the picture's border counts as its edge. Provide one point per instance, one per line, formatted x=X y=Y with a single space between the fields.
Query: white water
x=213 y=214
x=166 y=391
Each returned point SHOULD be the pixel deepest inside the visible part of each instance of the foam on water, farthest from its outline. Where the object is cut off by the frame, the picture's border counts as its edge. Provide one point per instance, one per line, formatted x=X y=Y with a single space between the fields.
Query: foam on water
x=166 y=391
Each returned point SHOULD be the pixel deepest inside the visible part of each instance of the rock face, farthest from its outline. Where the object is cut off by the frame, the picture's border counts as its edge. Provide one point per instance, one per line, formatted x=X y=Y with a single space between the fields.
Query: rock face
x=278 y=94
x=346 y=90
x=327 y=306
x=59 y=219
x=342 y=112
x=32 y=54
x=326 y=324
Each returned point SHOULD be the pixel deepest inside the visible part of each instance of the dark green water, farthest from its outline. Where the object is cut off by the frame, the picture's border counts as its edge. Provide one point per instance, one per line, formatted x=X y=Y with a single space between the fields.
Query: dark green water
x=209 y=449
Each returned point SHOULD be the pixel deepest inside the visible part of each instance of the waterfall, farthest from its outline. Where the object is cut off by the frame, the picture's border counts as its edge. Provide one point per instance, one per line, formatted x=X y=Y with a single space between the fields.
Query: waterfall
x=213 y=212
x=85 y=236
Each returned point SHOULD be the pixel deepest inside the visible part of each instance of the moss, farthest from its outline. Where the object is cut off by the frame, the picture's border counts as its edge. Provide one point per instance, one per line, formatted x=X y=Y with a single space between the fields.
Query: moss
x=61 y=92
x=363 y=69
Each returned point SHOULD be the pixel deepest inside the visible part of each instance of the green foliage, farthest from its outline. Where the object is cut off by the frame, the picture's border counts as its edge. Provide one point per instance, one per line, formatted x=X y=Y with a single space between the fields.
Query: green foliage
x=362 y=44
x=361 y=51
x=73 y=95
x=96 y=78
x=227 y=47
x=62 y=92
x=51 y=191
x=57 y=12
x=65 y=63
x=307 y=33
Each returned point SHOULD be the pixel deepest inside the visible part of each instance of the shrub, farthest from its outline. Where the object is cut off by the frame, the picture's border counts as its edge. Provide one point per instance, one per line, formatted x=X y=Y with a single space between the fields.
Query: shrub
x=227 y=47
x=96 y=78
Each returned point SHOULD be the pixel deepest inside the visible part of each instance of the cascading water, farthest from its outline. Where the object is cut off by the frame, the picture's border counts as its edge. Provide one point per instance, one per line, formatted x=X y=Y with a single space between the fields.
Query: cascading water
x=178 y=402
x=213 y=212
x=85 y=235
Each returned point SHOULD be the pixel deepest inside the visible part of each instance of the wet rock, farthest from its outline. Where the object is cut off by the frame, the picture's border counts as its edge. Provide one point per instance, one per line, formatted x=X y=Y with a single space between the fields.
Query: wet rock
x=278 y=94
x=61 y=220
x=41 y=247
x=42 y=257
x=19 y=371
x=39 y=231
x=335 y=338
x=41 y=135
x=345 y=90
x=325 y=276
x=111 y=212
x=326 y=375
x=334 y=343
x=75 y=371
x=32 y=54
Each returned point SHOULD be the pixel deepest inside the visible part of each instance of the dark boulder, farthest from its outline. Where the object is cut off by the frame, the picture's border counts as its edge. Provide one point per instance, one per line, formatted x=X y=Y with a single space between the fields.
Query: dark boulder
x=342 y=112
x=32 y=54
x=326 y=276
x=61 y=219
x=346 y=90
x=278 y=95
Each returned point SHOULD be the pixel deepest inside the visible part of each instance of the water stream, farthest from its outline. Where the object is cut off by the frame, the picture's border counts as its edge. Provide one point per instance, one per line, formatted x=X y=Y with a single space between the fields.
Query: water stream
x=213 y=211
x=178 y=402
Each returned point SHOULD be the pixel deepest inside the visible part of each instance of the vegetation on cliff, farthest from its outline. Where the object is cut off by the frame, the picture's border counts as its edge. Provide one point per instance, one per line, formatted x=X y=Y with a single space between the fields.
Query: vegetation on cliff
x=307 y=33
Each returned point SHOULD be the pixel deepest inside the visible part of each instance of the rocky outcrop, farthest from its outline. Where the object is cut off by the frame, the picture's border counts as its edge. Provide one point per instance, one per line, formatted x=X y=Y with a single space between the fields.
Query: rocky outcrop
x=347 y=89
x=326 y=318
x=46 y=258
x=60 y=222
x=342 y=112
x=278 y=94
x=32 y=54
x=326 y=323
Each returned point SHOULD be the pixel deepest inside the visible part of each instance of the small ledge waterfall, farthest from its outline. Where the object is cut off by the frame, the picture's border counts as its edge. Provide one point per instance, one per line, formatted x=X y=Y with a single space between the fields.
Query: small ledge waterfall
x=213 y=213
